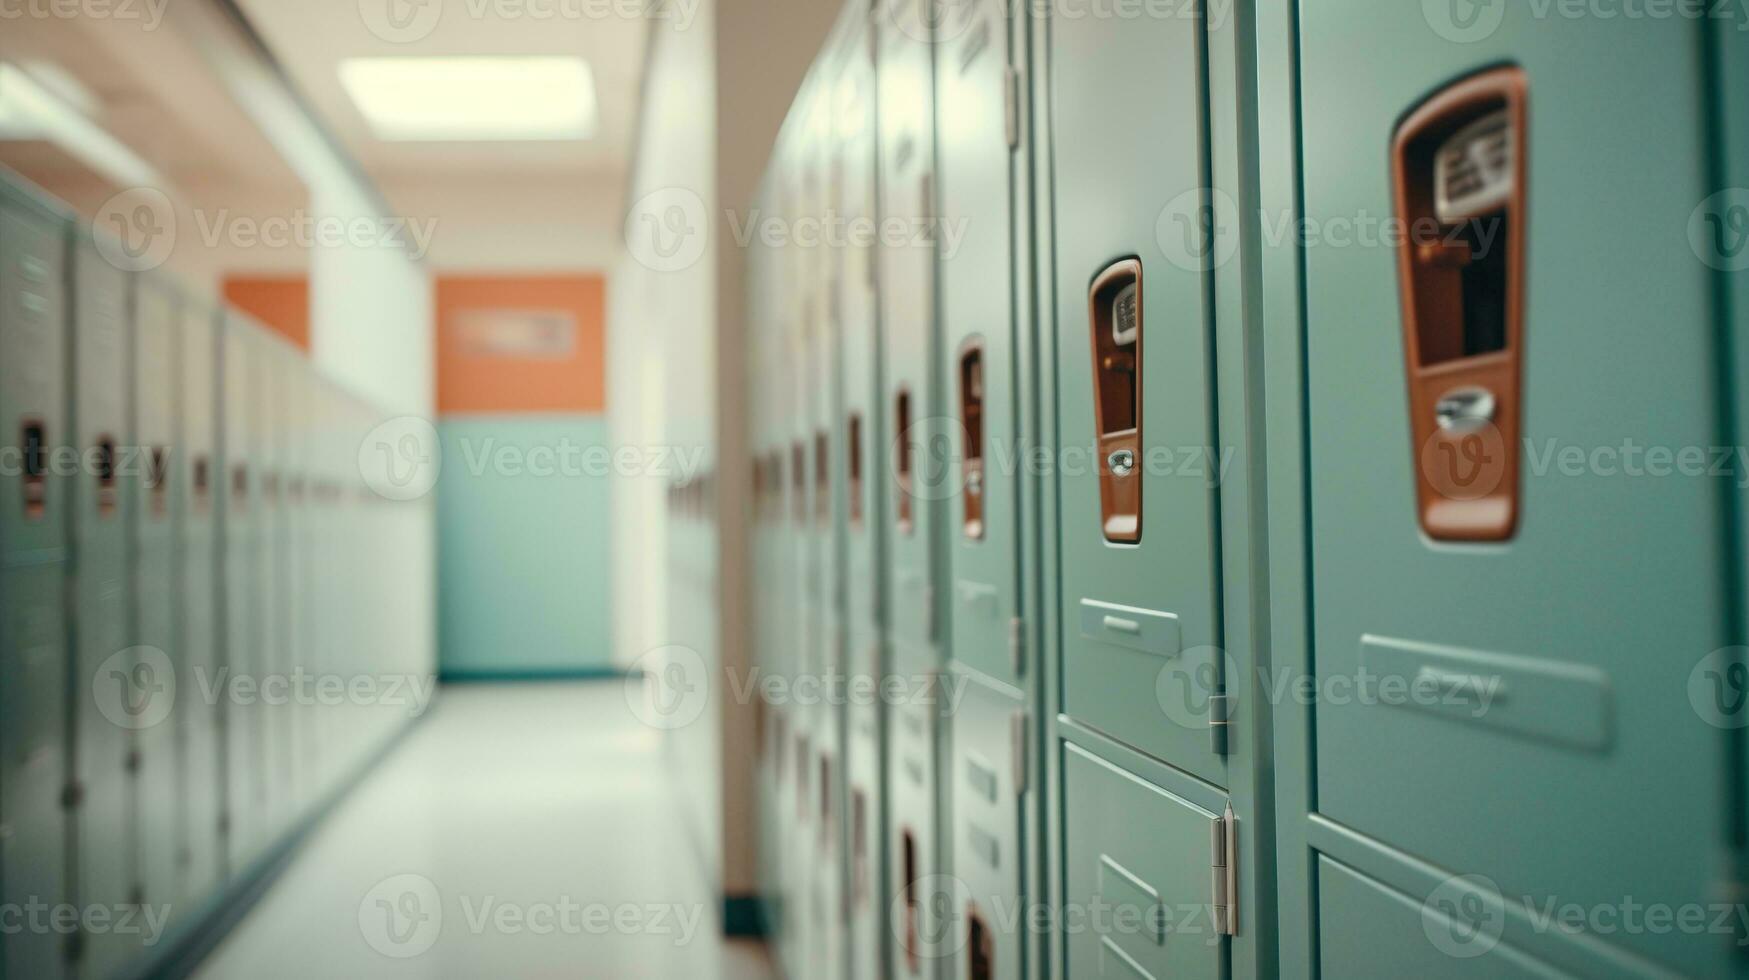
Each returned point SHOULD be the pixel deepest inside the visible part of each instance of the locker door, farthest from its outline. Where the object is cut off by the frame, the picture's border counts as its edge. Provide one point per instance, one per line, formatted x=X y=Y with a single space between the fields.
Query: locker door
x=1548 y=627
x=974 y=79
x=155 y=355
x=276 y=705
x=981 y=899
x=194 y=492
x=116 y=690
x=860 y=427
x=904 y=457
x=1139 y=860
x=295 y=561
x=822 y=180
x=34 y=500
x=1139 y=467
x=241 y=516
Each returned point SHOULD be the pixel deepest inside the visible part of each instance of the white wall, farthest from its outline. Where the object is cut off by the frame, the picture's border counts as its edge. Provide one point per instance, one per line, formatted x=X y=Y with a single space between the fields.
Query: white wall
x=714 y=100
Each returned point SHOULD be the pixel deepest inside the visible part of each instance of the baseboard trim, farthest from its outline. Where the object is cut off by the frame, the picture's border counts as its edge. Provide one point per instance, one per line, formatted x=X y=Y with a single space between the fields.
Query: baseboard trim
x=531 y=676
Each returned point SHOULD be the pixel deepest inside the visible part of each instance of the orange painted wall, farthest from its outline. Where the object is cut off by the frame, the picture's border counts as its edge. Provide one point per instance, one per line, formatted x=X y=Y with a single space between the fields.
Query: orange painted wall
x=282 y=303
x=471 y=383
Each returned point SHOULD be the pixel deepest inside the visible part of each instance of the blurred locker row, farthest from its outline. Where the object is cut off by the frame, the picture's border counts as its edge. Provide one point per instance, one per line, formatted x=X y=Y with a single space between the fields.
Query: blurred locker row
x=192 y=567
x=1198 y=592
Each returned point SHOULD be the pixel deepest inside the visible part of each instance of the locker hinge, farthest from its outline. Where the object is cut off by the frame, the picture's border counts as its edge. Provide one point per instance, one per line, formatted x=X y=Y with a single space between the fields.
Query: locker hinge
x=1017 y=644
x=1224 y=870
x=75 y=950
x=1022 y=760
x=1220 y=709
x=1011 y=106
x=73 y=796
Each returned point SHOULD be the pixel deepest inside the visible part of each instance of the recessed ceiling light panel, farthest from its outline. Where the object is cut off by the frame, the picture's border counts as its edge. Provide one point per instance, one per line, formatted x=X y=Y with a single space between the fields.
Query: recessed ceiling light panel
x=473 y=98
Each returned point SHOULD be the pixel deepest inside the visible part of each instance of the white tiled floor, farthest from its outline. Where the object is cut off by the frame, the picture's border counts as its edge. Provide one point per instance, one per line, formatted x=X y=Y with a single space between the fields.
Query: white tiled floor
x=504 y=838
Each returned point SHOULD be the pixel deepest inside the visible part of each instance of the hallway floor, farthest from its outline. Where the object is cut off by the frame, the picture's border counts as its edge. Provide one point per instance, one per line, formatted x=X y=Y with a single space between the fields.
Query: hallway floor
x=520 y=831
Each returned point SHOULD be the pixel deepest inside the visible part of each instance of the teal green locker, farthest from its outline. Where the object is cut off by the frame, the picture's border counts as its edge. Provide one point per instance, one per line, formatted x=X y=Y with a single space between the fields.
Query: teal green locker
x=978 y=128
x=275 y=627
x=240 y=507
x=295 y=532
x=862 y=429
x=907 y=461
x=1141 y=862
x=155 y=354
x=194 y=488
x=1140 y=461
x=35 y=495
x=116 y=690
x=829 y=952
x=981 y=898
x=1367 y=928
x=1514 y=601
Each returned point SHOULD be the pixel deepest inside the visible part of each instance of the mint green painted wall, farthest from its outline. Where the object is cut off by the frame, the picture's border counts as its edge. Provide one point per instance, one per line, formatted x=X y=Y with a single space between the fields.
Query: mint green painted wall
x=523 y=545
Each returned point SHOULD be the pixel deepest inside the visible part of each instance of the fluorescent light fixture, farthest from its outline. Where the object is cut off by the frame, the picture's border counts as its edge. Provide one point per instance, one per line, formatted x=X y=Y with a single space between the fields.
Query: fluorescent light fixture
x=473 y=98
x=30 y=111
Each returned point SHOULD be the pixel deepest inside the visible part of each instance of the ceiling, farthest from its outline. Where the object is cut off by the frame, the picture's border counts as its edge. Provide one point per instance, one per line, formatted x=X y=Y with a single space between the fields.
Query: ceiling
x=311 y=37
x=151 y=90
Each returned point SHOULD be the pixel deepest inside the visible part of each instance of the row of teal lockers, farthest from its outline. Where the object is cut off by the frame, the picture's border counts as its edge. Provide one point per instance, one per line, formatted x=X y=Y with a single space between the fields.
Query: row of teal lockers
x=1273 y=459
x=191 y=563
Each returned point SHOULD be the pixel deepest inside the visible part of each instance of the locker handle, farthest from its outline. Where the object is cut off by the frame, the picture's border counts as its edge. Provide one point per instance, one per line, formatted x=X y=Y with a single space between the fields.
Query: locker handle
x=36 y=467
x=106 y=491
x=1115 y=323
x=1470 y=687
x=1122 y=625
x=971 y=392
x=158 y=479
x=902 y=460
x=203 y=482
x=1459 y=175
